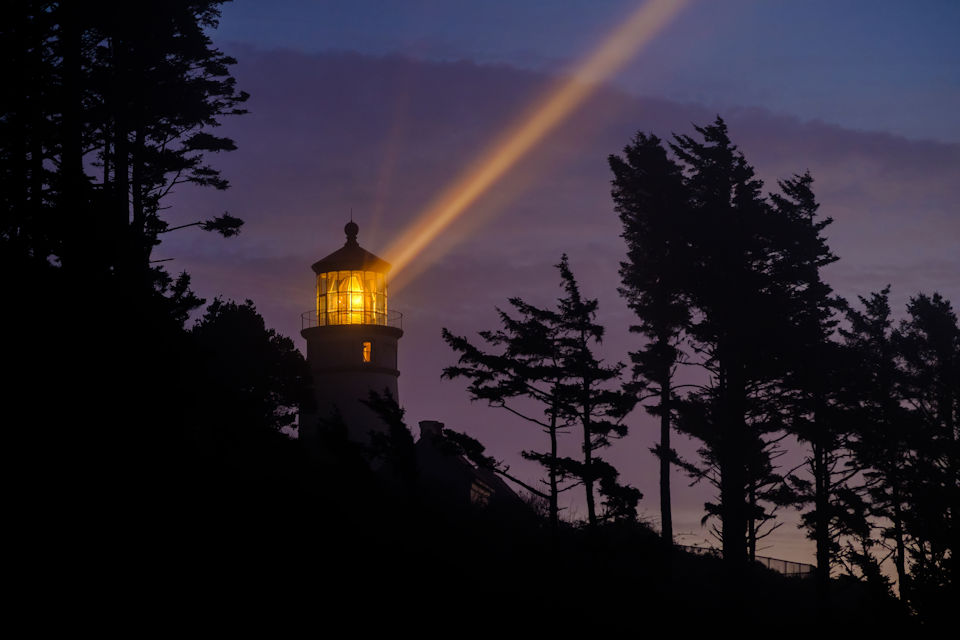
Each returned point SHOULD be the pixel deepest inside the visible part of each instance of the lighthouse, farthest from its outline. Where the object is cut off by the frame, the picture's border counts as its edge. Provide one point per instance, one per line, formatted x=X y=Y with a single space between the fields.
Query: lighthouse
x=351 y=339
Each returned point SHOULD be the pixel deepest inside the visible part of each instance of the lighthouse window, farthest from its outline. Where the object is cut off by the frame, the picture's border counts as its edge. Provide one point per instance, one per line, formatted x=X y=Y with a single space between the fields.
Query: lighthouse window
x=480 y=493
x=367 y=350
x=351 y=297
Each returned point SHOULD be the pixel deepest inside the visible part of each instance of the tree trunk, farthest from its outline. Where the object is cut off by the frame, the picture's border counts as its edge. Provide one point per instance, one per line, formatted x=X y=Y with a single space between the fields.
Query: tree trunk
x=36 y=176
x=899 y=560
x=733 y=501
x=70 y=205
x=587 y=441
x=141 y=244
x=554 y=497
x=588 y=469
x=37 y=219
x=666 y=514
x=120 y=222
x=821 y=501
x=953 y=529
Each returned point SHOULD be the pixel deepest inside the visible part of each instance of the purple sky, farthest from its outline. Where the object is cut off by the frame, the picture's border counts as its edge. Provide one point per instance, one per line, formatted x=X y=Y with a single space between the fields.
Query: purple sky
x=381 y=133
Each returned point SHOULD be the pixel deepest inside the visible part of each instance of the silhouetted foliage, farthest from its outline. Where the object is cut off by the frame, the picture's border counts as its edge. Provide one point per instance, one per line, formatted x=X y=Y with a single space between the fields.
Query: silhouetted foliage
x=650 y=198
x=547 y=357
x=108 y=106
x=111 y=107
x=589 y=401
x=254 y=378
x=883 y=442
x=529 y=367
x=928 y=346
x=226 y=225
x=714 y=263
x=394 y=447
x=740 y=326
x=815 y=379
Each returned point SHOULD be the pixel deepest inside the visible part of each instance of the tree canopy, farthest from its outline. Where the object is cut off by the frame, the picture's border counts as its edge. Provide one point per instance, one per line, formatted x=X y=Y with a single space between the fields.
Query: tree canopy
x=545 y=355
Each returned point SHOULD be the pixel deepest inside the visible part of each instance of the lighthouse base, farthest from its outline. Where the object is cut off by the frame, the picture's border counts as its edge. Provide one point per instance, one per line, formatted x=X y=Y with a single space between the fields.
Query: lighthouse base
x=348 y=362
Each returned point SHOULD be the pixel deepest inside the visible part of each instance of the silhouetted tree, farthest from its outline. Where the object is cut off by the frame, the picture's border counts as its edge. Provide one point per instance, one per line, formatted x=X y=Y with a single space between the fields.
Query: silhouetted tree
x=650 y=198
x=906 y=440
x=108 y=106
x=588 y=399
x=764 y=488
x=713 y=262
x=395 y=447
x=822 y=418
x=253 y=379
x=113 y=109
x=527 y=366
x=928 y=344
x=739 y=295
x=726 y=190
x=883 y=442
x=816 y=371
x=547 y=357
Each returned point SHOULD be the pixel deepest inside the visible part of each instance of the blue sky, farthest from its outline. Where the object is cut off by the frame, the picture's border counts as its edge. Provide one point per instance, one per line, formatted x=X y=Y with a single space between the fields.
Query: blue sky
x=871 y=65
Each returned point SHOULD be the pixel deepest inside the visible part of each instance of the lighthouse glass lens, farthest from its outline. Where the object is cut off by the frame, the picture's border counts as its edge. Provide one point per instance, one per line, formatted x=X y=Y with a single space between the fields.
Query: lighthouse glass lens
x=351 y=297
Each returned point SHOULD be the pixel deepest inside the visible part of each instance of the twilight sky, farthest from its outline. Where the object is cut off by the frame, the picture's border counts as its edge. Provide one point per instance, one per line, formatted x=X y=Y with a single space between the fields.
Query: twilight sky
x=377 y=106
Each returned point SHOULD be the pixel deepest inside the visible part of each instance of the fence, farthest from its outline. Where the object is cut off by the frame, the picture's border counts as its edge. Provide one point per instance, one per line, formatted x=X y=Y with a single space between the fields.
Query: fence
x=785 y=567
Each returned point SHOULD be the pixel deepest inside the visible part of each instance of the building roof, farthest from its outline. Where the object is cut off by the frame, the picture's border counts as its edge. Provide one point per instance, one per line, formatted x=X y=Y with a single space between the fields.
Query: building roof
x=450 y=476
x=351 y=256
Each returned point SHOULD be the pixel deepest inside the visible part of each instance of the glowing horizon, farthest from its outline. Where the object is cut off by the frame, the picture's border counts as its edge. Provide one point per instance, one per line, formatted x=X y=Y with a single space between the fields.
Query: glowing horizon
x=514 y=143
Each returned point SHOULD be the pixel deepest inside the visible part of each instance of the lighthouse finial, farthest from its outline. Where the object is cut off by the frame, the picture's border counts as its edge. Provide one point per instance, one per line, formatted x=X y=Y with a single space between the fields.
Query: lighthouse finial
x=351 y=229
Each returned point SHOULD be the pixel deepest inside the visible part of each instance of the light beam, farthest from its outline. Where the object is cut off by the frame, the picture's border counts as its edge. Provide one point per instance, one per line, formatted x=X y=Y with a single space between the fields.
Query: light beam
x=545 y=115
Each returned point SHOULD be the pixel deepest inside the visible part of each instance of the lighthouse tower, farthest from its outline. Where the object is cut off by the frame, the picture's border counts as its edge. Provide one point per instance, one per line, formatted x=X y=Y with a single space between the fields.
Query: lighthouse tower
x=351 y=339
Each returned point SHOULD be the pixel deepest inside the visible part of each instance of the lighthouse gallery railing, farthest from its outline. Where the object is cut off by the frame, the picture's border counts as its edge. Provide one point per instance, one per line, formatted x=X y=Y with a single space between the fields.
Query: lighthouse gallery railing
x=336 y=318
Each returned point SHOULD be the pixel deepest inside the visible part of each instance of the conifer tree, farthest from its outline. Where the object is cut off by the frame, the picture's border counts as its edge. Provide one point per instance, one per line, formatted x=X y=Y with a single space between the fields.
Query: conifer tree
x=739 y=315
x=883 y=443
x=545 y=355
x=713 y=263
x=255 y=379
x=815 y=376
x=928 y=345
x=526 y=366
x=113 y=109
x=650 y=198
x=905 y=405
x=589 y=400
x=109 y=106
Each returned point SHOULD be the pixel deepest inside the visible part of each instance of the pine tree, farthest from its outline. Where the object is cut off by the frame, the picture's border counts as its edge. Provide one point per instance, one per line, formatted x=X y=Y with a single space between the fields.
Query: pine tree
x=815 y=377
x=109 y=105
x=714 y=265
x=589 y=401
x=906 y=402
x=928 y=345
x=254 y=379
x=883 y=439
x=112 y=110
x=649 y=196
x=526 y=366
x=740 y=309
x=545 y=355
